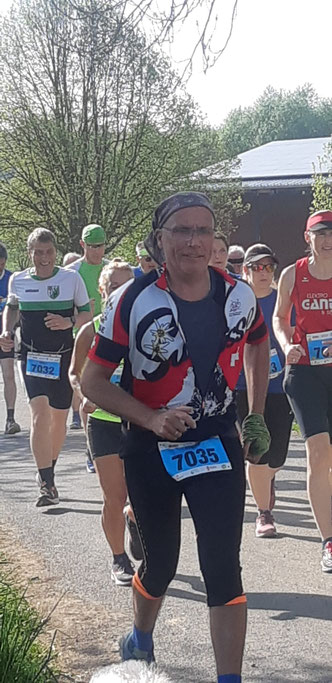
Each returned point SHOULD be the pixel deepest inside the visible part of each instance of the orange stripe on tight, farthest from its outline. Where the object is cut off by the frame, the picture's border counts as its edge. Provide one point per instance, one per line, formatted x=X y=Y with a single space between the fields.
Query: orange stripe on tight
x=238 y=601
x=136 y=583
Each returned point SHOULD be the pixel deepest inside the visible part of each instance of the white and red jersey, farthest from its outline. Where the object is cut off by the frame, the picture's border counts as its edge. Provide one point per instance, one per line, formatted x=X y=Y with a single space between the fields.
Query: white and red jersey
x=312 y=299
x=141 y=325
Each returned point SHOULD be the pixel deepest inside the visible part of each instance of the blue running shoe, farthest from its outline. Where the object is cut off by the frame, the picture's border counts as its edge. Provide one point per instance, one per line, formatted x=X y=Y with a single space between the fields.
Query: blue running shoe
x=129 y=651
x=90 y=468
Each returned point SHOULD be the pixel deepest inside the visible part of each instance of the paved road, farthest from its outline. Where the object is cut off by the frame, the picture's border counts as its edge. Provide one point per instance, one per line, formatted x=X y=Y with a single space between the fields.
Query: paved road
x=290 y=605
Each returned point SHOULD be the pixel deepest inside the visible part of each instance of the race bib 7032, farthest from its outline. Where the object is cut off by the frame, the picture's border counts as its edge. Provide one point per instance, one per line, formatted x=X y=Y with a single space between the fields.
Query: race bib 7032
x=45 y=366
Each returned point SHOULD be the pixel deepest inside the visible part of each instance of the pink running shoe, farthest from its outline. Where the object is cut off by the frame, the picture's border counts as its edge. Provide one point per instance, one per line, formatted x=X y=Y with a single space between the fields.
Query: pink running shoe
x=265 y=527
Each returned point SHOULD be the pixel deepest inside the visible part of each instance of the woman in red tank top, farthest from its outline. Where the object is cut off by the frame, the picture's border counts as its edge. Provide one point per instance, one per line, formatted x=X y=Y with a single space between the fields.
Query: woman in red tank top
x=307 y=285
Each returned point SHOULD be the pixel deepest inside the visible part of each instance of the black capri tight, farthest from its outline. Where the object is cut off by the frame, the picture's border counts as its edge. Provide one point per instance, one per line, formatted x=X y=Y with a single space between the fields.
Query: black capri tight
x=216 y=504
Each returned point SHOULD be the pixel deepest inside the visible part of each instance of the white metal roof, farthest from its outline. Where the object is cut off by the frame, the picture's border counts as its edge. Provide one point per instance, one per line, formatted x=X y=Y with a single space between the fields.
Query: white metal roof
x=283 y=163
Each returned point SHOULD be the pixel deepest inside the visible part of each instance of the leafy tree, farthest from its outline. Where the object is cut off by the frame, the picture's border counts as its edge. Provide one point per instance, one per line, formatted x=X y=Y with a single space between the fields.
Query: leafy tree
x=322 y=187
x=93 y=122
x=277 y=115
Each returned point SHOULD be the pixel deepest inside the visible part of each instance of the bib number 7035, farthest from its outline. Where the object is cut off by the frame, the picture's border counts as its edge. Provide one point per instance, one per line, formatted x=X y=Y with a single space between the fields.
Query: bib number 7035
x=183 y=460
x=191 y=458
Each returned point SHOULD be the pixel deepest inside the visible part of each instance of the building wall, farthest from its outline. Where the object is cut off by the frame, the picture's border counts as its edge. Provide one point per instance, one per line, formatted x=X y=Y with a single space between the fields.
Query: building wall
x=276 y=218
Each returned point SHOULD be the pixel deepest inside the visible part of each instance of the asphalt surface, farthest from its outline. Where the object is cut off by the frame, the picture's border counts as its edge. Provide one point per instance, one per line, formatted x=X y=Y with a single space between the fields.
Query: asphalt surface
x=289 y=635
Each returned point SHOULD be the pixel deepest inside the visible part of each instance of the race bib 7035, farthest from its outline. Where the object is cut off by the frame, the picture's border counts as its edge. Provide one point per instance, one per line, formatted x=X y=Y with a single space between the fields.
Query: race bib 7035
x=191 y=458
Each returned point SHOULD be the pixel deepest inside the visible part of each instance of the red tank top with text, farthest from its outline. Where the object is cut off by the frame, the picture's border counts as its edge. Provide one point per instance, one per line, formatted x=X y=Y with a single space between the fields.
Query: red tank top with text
x=312 y=299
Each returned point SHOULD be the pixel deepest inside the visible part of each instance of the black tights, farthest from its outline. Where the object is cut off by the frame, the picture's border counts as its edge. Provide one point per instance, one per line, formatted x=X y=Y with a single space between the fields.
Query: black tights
x=216 y=504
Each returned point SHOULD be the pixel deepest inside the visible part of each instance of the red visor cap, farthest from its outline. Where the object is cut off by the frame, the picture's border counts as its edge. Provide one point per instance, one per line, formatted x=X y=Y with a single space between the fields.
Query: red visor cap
x=320 y=217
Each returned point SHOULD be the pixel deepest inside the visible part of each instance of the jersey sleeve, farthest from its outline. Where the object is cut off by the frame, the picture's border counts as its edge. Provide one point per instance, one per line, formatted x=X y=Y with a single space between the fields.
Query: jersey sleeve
x=12 y=296
x=111 y=343
x=258 y=331
x=81 y=298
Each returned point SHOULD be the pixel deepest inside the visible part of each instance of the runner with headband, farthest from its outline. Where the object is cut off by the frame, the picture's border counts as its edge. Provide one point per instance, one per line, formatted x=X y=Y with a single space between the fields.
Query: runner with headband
x=260 y=264
x=182 y=334
x=307 y=285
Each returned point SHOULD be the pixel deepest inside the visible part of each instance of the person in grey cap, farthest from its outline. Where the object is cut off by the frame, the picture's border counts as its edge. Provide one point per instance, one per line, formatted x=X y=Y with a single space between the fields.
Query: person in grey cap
x=260 y=264
x=182 y=333
x=235 y=259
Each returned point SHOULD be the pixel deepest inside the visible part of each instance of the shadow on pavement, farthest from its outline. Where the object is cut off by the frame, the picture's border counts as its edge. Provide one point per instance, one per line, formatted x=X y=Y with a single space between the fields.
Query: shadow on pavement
x=311 y=539
x=284 y=518
x=294 y=468
x=185 y=595
x=293 y=605
x=317 y=673
x=56 y=512
x=76 y=500
x=195 y=582
x=291 y=485
x=290 y=605
x=185 y=674
x=289 y=499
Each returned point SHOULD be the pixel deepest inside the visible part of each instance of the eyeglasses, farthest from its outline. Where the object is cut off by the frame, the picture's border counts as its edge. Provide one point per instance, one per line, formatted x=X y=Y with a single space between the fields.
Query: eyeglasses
x=148 y=259
x=183 y=234
x=259 y=267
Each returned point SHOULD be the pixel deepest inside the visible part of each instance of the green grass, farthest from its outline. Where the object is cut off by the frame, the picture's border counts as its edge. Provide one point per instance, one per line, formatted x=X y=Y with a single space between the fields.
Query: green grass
x=23 y=659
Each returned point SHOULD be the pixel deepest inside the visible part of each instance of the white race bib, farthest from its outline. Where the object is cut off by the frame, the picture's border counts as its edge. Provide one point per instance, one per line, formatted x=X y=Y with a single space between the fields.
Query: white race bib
x=188 y=459
x=43 y=365
x=317 y=342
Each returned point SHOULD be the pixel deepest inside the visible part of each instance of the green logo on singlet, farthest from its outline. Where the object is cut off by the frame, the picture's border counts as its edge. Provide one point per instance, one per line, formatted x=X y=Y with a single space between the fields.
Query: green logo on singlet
x=53 y=291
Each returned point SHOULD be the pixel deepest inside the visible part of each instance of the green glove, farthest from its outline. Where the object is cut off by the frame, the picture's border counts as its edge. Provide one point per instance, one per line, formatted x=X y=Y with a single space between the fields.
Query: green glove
x=256 y=433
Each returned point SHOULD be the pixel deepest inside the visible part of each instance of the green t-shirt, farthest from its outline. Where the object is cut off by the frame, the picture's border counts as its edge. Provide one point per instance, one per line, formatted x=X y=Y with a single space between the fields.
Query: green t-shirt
x=90 y=274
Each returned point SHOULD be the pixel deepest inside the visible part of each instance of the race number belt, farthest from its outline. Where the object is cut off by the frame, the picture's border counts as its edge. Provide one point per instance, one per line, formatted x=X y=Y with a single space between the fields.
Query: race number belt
x=317 y=342
x=117 y=374
x=43 y=365
x=182 y=460
x=275 y=365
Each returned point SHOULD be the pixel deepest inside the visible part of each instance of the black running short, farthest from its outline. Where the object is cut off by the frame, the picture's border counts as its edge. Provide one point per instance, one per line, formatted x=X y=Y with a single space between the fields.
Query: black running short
x=216 y=504
x=58 y=391
x=279 y=419
x=103 y=437
x=309 y=390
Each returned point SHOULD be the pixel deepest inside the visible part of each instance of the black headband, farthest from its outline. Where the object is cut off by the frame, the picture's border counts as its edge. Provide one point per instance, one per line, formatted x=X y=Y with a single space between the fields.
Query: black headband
x=180 y=200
